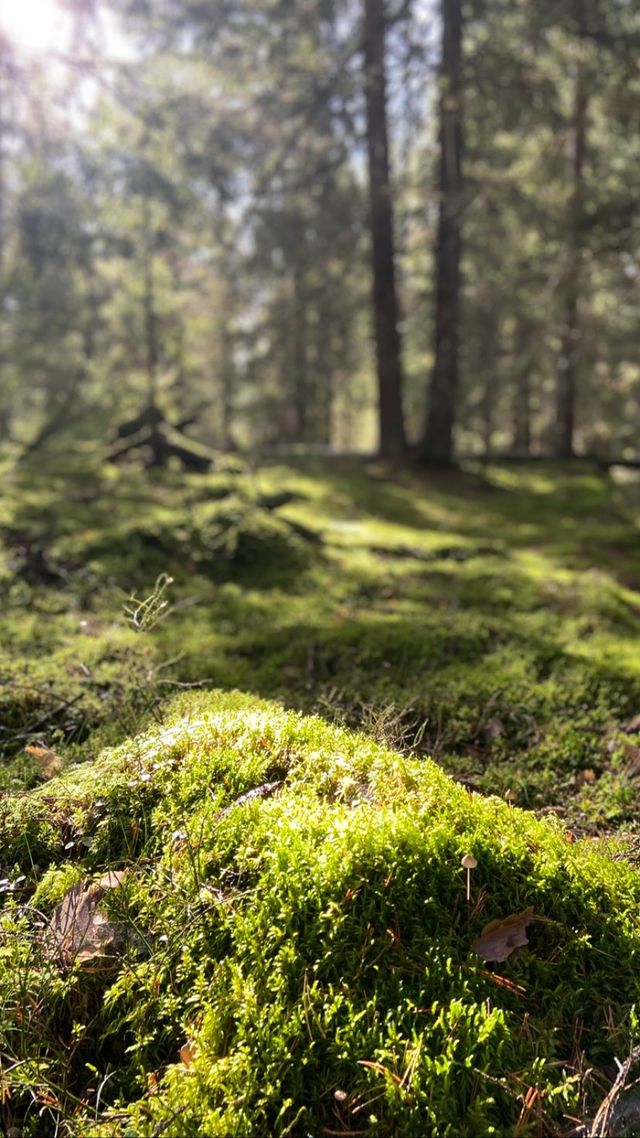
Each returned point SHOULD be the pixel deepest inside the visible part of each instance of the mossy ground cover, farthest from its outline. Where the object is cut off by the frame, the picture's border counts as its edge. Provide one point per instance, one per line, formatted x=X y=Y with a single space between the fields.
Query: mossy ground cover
x=301 y=963
x=313 y=947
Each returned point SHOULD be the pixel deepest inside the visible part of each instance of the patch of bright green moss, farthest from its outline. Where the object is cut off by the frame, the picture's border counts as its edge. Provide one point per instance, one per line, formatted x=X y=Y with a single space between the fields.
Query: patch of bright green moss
x=313 y=947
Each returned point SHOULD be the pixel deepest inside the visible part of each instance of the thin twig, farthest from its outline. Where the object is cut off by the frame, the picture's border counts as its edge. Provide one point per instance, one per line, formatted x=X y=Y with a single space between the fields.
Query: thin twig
x=600 y=1126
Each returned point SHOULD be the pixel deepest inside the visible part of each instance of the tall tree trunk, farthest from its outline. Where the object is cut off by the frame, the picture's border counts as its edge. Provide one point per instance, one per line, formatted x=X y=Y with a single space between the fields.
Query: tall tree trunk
x=489 y=346
x=385 y=296
x=325 y=365
x=228 y=382
x=302 y=395
x=568 y=363
x=92 y=312
x=437 y=442
x=149 y=307
x=522 y=389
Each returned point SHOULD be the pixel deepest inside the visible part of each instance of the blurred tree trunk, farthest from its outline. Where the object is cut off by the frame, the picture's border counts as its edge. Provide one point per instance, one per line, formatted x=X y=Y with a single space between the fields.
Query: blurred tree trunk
x=522 y=389
x=150 y=318
x=568 y=363
x=325 y=357
x=437 y=442
x=385 y=297
x=302 y=393
x=228 y=371
x=228 y=378
x=489 y=341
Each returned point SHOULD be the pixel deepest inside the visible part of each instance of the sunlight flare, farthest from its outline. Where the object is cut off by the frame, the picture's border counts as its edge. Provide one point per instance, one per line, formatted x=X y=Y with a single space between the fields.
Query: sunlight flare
x=36 y=26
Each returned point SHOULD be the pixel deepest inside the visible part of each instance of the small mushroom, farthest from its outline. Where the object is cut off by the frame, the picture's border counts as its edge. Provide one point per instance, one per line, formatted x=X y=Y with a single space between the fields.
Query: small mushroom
x=511 y=795
x=468 y=862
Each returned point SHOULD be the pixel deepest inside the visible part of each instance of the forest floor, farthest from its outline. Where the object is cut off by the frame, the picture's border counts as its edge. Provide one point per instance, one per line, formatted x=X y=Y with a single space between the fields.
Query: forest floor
x=487 y=620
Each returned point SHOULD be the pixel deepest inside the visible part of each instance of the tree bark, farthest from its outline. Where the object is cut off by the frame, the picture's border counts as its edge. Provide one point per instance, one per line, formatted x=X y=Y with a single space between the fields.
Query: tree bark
x=302 y=386
x=149 y=307
x=437 y=442
x=385 y=297
x=227 y=370
x=489 y=346
x=228 y=378
x=325 y=357
x=522 y=389
x=568 y=363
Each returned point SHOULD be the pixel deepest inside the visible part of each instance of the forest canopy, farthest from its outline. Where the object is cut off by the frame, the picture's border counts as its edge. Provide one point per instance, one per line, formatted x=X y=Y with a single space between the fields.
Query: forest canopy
x=341 y=225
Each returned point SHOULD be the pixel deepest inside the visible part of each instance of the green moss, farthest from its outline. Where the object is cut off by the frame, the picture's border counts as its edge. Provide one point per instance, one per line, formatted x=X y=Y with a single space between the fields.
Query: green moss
x=312 y=946
x=498 y=615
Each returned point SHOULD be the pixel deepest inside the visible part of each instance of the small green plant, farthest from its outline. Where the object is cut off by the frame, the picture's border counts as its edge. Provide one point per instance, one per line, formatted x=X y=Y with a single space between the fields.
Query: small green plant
x=145 y=613
x=142 y=685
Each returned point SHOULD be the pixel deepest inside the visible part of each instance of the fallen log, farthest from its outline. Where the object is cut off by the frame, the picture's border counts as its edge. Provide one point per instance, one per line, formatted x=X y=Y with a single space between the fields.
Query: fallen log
x=162 y=442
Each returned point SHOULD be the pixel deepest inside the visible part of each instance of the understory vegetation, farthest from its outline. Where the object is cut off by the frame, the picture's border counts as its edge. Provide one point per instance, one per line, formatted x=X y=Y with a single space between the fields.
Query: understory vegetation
x=240 y=908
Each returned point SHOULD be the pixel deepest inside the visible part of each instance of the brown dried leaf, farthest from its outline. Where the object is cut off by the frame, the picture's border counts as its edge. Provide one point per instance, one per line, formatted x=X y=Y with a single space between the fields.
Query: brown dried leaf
x=77 y=928
x=50 y=763
x=111 y=880
x=587 y=775
x=187 y=1054
x=632 y=725
x=499 y=938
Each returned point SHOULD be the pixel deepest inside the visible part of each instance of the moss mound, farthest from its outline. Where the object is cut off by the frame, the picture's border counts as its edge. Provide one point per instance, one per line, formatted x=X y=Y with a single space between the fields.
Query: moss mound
x=241 y=539
x=220 y=540
x=295 y=943
x=84 y=529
